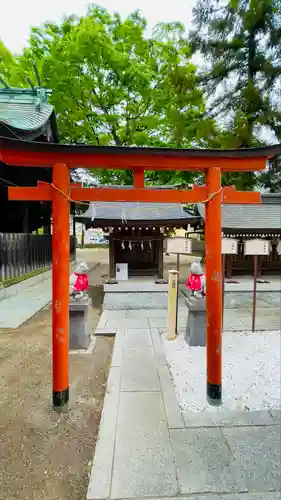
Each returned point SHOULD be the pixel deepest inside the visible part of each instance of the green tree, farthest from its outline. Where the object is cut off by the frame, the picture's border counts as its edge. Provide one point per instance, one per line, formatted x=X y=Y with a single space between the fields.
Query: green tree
x=7 y=64
x=240 y=42
x=271 y=179
x=113 y=86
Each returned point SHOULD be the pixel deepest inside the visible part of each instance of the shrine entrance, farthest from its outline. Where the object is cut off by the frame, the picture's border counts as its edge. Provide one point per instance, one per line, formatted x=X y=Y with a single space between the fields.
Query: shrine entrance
x=139 y=249
x=64 y=157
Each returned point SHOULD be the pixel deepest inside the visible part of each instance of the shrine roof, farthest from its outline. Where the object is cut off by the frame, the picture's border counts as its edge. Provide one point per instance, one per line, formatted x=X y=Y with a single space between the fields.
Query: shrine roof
x=82 y=149
x=26 y=114
x=266 y=215
x=122 y=212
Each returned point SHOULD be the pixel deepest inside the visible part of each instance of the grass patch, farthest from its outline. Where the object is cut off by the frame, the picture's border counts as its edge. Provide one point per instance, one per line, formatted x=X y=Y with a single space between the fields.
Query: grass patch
x=19 y=279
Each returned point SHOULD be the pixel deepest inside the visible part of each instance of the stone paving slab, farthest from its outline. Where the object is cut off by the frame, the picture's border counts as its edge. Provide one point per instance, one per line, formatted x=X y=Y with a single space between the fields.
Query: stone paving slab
x=139 y=371
x=268 y=312
x=229 y=419
x=126 y=323
x=117 y=354
x=100 y=478
x=271 y=495
x=163 y=322
x=136 y=286
x=205 y=463
x=247 y=496
x=247 y=285
x=174 y=416
x=137 y=338
x=148 y=313
x=276 y=415
x=159 y=353
x=257 y=450
x=241 y=313
x=261 y=324
x=141 y=301
x=143 y=464
x=158 y=322
x=232 y=321
x=114 y=314
x=245 y=300
x=244 y=418
x=102 y=322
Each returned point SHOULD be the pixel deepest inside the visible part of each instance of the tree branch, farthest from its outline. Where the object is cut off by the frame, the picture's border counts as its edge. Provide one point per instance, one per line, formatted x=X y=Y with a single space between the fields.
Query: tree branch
x=86 y=116
x=106 y=110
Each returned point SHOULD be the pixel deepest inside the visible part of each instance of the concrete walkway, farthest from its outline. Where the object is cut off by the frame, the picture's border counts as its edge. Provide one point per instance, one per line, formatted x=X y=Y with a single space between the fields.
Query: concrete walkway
x=16 y=310
x=234 y=319
x=148 y=448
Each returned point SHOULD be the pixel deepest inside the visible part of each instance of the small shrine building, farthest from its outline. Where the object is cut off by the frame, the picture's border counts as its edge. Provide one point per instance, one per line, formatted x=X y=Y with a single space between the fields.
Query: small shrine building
x=136 y=232
x=244 y=222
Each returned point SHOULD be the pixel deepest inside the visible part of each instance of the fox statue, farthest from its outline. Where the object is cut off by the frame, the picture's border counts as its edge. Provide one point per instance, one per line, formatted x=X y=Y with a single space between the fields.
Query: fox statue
x=196 y=281
x=78 y=282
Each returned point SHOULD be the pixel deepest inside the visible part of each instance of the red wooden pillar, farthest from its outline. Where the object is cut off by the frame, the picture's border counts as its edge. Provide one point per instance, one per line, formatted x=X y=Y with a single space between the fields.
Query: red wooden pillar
x=214 y=287
x=60 y=278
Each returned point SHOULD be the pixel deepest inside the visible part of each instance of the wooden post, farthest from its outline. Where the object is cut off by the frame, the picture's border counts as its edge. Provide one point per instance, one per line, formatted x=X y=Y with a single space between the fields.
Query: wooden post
x=60 y=277
x=214 y=287
x=178 y=262
x=255 y=258
x=228 y=270
x=259 y=268
x=160 y=245
x=111 y=257
x=172 y=304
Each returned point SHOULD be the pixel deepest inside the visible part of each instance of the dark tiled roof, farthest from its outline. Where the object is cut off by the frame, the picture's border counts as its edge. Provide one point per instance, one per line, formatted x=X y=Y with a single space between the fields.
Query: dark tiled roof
x=136 y=212
x=267 y=215
x=271 y=198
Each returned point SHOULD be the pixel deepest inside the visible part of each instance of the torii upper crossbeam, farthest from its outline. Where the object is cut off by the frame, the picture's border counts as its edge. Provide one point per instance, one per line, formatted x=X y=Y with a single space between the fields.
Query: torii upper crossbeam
x=61 y=158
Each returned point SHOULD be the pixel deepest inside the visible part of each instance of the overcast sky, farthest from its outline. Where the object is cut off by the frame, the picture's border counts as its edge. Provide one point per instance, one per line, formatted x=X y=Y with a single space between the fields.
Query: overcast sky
x=18 y=16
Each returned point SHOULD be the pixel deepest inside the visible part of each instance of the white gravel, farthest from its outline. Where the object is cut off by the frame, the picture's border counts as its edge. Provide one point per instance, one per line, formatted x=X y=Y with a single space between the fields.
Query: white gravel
x=251 y=372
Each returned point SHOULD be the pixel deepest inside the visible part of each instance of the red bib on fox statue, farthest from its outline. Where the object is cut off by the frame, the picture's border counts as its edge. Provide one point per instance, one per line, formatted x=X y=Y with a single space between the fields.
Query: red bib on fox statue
x=196 y=281
x=79 y=283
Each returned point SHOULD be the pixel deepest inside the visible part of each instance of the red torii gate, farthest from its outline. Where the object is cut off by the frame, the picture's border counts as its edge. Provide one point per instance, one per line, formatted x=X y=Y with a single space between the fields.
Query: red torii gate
x=63 y=157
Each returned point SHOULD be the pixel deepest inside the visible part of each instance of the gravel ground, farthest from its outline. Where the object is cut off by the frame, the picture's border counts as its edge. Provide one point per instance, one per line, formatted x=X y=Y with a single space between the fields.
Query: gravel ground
x=251 y=372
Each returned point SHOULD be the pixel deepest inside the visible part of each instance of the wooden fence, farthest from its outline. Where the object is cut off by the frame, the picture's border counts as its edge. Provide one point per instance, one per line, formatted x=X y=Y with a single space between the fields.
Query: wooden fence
x=24 y=253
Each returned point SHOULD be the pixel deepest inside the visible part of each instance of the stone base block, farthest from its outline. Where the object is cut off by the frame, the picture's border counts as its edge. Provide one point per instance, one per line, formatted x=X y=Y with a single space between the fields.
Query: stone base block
x=79 y=334
x=195 y=333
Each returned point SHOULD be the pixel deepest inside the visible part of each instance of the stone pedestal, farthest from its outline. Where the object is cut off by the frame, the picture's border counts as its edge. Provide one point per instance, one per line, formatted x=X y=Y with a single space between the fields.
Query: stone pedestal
x=79 y=334
x=195 y=333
